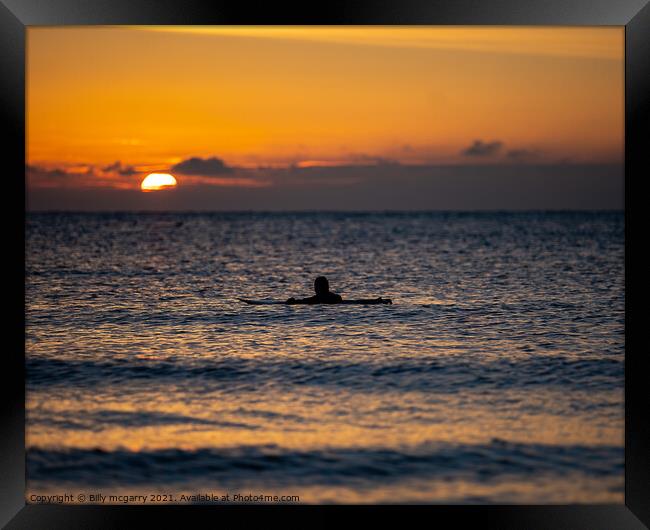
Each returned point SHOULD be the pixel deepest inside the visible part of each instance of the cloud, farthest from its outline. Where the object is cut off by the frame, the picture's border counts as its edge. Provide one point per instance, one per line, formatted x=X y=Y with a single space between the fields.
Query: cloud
x=521 y=155
x=373 y=160
x=112 y=167
x=44 y=173
x=77 y=176
x=552 y=42
x=480 y=148
x=205 y=167
x=118 y=168
x=57 y=177
x=493 y=186
x=352 y=160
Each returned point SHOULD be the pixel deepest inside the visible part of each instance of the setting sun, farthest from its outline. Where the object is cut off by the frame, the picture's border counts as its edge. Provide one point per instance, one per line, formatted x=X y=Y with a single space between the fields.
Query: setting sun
x=158 y=181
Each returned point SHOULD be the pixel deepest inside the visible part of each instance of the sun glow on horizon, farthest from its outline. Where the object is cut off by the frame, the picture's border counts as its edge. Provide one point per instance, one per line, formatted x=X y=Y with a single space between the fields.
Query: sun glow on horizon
x=158 y=181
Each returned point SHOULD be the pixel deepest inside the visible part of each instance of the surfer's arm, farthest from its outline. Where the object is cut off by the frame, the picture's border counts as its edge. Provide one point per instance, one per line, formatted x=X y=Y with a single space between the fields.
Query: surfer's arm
x=293 y=300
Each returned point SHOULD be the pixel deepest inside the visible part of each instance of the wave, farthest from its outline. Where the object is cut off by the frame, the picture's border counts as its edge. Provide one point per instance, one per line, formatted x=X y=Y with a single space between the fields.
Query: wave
x=444 y=374
x=101 y=419
x=276 y=465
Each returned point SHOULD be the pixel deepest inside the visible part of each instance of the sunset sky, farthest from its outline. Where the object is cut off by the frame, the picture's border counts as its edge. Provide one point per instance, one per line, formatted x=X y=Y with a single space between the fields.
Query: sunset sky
x=325 y=117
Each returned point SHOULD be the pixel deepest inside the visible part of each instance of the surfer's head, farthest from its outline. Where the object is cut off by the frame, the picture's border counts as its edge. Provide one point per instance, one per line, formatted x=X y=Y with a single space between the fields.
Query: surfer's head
x=321 y=285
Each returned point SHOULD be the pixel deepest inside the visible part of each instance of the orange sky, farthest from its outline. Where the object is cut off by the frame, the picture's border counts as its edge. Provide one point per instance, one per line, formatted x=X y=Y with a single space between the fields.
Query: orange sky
x=151 y=97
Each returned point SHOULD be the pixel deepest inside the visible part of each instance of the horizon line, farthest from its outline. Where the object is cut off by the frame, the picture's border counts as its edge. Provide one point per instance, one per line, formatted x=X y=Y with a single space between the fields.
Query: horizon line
x=308 y=211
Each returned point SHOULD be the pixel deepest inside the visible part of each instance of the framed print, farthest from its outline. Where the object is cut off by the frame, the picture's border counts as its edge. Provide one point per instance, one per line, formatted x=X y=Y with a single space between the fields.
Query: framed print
x=367 y=258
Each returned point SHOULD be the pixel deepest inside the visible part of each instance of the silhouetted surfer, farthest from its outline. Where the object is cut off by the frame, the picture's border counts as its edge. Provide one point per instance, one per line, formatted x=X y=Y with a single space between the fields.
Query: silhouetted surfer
x=323 y=294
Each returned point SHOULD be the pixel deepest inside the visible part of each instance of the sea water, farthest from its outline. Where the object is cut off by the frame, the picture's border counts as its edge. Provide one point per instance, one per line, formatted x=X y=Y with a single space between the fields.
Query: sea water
x=497 y=374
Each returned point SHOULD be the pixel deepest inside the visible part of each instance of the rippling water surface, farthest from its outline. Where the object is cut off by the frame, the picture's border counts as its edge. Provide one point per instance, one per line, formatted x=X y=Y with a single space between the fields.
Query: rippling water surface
x=495 y=376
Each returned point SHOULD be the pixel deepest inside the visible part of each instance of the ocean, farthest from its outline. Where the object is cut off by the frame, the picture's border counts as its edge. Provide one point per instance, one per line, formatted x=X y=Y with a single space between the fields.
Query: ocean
x=496 y=376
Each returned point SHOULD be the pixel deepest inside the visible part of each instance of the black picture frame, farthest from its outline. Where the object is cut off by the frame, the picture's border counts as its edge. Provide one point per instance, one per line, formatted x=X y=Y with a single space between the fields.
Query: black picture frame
x=16 y=15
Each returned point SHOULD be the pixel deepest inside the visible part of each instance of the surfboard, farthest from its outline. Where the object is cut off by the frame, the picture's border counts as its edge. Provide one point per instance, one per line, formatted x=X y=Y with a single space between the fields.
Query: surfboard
x=262 y=302
x=370 y=301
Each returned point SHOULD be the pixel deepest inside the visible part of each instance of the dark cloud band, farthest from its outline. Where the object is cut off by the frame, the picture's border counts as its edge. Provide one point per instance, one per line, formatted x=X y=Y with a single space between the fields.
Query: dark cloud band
x=205 y=167
x=118 y=168
x=480 y=148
